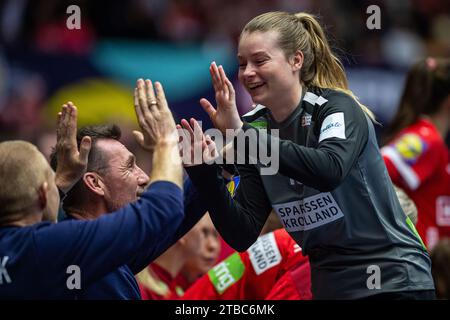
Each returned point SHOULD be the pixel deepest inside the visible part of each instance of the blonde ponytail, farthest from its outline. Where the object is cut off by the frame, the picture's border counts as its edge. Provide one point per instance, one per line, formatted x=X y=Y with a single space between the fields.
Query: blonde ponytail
x=302 y=31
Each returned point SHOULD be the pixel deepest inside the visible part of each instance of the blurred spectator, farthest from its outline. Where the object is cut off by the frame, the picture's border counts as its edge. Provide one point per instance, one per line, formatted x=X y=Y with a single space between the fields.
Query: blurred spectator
x=416 y=155
x=200 y=263
x=20 y=113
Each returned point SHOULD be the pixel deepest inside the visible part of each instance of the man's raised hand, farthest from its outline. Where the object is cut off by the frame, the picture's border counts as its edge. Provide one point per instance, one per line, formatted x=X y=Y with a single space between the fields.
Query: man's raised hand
x=72 y=163
x=154 y=116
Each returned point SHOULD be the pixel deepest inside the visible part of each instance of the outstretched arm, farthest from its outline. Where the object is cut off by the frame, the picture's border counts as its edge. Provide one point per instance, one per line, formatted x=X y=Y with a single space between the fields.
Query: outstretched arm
x=100 y=246
x=238 y=220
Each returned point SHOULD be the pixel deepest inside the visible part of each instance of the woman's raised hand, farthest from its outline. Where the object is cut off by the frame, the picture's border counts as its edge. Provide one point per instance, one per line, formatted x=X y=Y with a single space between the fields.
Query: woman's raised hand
x=225 y=115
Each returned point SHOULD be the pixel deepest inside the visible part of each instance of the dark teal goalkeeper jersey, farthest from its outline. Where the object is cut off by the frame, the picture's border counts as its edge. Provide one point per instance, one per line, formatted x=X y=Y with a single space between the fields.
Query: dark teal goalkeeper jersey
x=333 y=195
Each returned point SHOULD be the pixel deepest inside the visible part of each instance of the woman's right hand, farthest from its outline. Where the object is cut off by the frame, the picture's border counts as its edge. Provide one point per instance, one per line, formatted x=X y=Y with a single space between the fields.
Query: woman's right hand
x=226 y=115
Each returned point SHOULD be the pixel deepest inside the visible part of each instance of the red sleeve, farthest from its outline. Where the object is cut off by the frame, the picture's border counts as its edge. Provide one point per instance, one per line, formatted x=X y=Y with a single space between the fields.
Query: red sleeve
x=412 y=159
x=393 y=172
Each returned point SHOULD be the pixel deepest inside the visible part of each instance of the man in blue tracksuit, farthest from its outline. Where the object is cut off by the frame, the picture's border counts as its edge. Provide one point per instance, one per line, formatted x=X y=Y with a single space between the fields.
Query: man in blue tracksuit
x=121 y=182
x=47 y=261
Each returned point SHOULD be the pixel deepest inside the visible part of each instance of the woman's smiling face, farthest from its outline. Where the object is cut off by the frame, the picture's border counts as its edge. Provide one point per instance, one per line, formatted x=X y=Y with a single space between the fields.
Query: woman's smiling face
x=264 y=70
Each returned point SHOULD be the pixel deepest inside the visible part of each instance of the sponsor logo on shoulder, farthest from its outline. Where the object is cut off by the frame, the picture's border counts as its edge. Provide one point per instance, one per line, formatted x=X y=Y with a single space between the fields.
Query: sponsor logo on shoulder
x=309 y=213
x=264 y=253
x=333 y=127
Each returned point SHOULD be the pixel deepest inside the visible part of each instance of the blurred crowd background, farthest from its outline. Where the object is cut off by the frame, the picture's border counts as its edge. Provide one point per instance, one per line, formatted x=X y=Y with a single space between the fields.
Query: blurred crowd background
x=44 y=64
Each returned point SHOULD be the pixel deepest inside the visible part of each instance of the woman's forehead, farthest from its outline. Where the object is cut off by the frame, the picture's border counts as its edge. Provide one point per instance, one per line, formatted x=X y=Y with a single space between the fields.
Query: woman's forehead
x=258 y=42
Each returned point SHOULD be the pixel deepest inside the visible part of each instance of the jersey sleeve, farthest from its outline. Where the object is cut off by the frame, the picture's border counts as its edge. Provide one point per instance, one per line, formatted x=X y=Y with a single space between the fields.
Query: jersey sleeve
x=100 y=246
x=342 y=130
x=239 y=220
x=411 y=159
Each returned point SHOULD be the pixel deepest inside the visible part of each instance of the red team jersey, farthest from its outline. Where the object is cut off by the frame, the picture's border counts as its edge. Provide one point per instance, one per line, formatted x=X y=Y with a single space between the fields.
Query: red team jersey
x=418 y=162
x=267 y=267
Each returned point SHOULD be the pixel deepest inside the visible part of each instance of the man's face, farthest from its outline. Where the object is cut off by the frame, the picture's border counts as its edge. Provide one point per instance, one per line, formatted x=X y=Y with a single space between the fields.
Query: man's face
x=124 y=181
